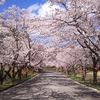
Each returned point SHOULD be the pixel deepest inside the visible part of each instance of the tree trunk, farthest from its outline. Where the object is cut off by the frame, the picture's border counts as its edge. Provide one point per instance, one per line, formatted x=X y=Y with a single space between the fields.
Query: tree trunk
x=13 y=74
x=94 y=76
x=83 y=75
x=19 y=74
x=74 y=71
x=94 y=71
x=1 y=77
x=68 y=72
x=26 y=75
x=1 y=74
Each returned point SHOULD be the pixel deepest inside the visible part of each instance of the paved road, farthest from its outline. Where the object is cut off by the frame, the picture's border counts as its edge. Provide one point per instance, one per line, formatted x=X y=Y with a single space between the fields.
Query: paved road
x=50 y=86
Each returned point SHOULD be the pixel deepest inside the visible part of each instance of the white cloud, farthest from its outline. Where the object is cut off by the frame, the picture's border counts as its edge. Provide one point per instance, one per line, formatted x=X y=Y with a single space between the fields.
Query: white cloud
x=43 y=10
x=46 y=8
x=32 y=8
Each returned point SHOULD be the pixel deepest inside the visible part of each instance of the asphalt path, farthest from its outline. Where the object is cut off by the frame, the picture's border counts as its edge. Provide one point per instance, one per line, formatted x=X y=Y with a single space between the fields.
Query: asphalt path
x=50 y=86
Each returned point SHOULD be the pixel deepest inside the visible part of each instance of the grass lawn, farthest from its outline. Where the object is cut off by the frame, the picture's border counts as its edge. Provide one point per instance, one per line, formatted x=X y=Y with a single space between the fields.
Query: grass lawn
x=88 y=81
x=8 y=83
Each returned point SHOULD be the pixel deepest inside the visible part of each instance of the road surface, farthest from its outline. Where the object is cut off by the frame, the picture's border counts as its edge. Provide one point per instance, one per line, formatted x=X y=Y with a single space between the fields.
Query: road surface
x=50 y=86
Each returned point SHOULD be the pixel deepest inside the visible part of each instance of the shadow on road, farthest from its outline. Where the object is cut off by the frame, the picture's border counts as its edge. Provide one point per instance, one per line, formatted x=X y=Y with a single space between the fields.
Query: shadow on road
x=50 y=86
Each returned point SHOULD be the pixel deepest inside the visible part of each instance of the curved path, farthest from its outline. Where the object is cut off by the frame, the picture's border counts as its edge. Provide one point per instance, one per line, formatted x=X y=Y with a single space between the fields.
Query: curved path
x=50 y=86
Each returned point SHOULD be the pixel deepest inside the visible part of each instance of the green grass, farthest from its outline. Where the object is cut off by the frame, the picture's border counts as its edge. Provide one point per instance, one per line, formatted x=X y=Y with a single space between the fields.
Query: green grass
x=88 y=81
x=8 y=83
x=5 y=85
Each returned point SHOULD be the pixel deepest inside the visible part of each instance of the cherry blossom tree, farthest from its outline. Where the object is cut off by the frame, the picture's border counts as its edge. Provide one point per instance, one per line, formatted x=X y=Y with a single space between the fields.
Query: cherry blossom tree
x=19 y=52
x=29 y=41
x=2 y=2
x=82 y=15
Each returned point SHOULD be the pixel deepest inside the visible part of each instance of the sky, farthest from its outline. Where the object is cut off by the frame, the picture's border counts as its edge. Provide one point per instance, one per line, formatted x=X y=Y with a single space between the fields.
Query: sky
x=20 y=3
x=34 y=7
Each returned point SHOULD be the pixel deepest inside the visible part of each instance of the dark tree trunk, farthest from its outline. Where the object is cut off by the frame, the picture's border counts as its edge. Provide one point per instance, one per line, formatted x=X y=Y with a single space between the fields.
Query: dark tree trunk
x=7 y=73
x=19 y=74
x=13 y=74
x=74 y=71
x=1 y=74
x=62 y=69
x=26 y=75
x=33 y=70
x=94 y=71
x=1 y=77
x=68 y=72
x=83 y=75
